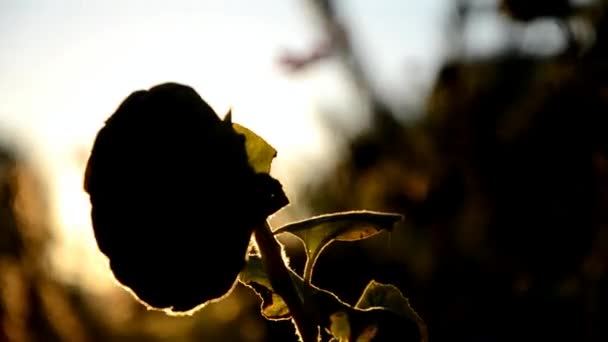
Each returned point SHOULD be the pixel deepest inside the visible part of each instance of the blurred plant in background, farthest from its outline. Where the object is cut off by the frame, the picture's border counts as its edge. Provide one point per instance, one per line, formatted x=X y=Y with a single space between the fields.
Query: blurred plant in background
x=34 y=305
x=501 y=176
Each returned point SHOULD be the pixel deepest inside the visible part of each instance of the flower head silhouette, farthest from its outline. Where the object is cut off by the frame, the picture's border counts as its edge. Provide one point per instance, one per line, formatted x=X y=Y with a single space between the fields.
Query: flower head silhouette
x=174 y=199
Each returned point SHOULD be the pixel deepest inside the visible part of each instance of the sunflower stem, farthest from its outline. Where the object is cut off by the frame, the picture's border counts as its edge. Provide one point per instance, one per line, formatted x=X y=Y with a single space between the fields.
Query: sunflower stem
x=281 y=282
x=308 y=269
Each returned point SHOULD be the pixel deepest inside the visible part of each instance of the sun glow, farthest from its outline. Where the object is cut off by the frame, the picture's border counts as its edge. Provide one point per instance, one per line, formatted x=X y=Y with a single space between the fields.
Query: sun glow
x=97 y=61
x=284 y=122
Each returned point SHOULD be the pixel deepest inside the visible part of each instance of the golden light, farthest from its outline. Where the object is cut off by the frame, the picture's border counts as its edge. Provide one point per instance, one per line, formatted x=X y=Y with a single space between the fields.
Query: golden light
x=63 y=89
x=281 y=115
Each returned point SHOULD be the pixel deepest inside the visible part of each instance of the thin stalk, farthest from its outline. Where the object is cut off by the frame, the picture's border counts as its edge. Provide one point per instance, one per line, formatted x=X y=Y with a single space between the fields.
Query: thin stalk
x=281 y=282
x=308 y=266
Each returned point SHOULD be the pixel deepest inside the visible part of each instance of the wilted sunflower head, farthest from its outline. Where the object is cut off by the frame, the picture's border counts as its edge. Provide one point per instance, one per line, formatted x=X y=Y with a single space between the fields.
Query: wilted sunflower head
x=174 y=199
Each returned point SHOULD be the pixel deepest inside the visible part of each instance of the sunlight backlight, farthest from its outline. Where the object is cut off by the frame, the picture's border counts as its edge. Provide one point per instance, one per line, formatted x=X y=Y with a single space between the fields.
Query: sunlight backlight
x=69 y=88
x=66 y=67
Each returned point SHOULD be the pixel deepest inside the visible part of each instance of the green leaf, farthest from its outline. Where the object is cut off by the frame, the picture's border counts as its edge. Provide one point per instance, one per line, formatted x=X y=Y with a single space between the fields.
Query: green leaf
x=259 y=152
x=254 y=276
x=389 y=297
x=318 y=232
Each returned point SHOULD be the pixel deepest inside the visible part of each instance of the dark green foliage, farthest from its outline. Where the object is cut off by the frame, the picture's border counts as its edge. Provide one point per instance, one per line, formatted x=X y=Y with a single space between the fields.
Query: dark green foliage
x=174 y=198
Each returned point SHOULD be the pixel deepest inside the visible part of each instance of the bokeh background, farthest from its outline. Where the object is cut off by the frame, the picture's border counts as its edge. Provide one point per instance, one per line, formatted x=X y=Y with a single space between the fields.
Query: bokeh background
x=482 y=121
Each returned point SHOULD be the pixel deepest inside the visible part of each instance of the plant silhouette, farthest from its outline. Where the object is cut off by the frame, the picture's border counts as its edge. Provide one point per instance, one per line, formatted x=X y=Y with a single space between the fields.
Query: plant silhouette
x=176 y=195
x=169 y=184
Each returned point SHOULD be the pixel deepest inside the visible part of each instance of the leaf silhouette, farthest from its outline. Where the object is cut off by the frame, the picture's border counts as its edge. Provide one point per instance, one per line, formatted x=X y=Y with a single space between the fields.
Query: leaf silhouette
x=381 y=314
x=389 y=297
x=318 y=232
x=322 y=302
x=254 y=276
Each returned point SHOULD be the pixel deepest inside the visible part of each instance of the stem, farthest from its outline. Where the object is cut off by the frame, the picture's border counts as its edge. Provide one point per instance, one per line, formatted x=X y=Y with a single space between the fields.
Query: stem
x=308 y=269
x=281 y=282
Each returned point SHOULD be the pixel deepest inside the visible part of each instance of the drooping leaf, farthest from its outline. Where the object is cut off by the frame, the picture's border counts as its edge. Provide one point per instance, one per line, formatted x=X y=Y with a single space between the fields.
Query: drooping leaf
x=318 y=232
x=387 y=296
x=254 y=276
x=259 y=151
x=322 y=302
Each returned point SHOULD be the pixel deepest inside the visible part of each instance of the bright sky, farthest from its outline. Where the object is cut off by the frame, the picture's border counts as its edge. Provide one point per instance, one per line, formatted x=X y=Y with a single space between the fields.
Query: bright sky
x=65 y=66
